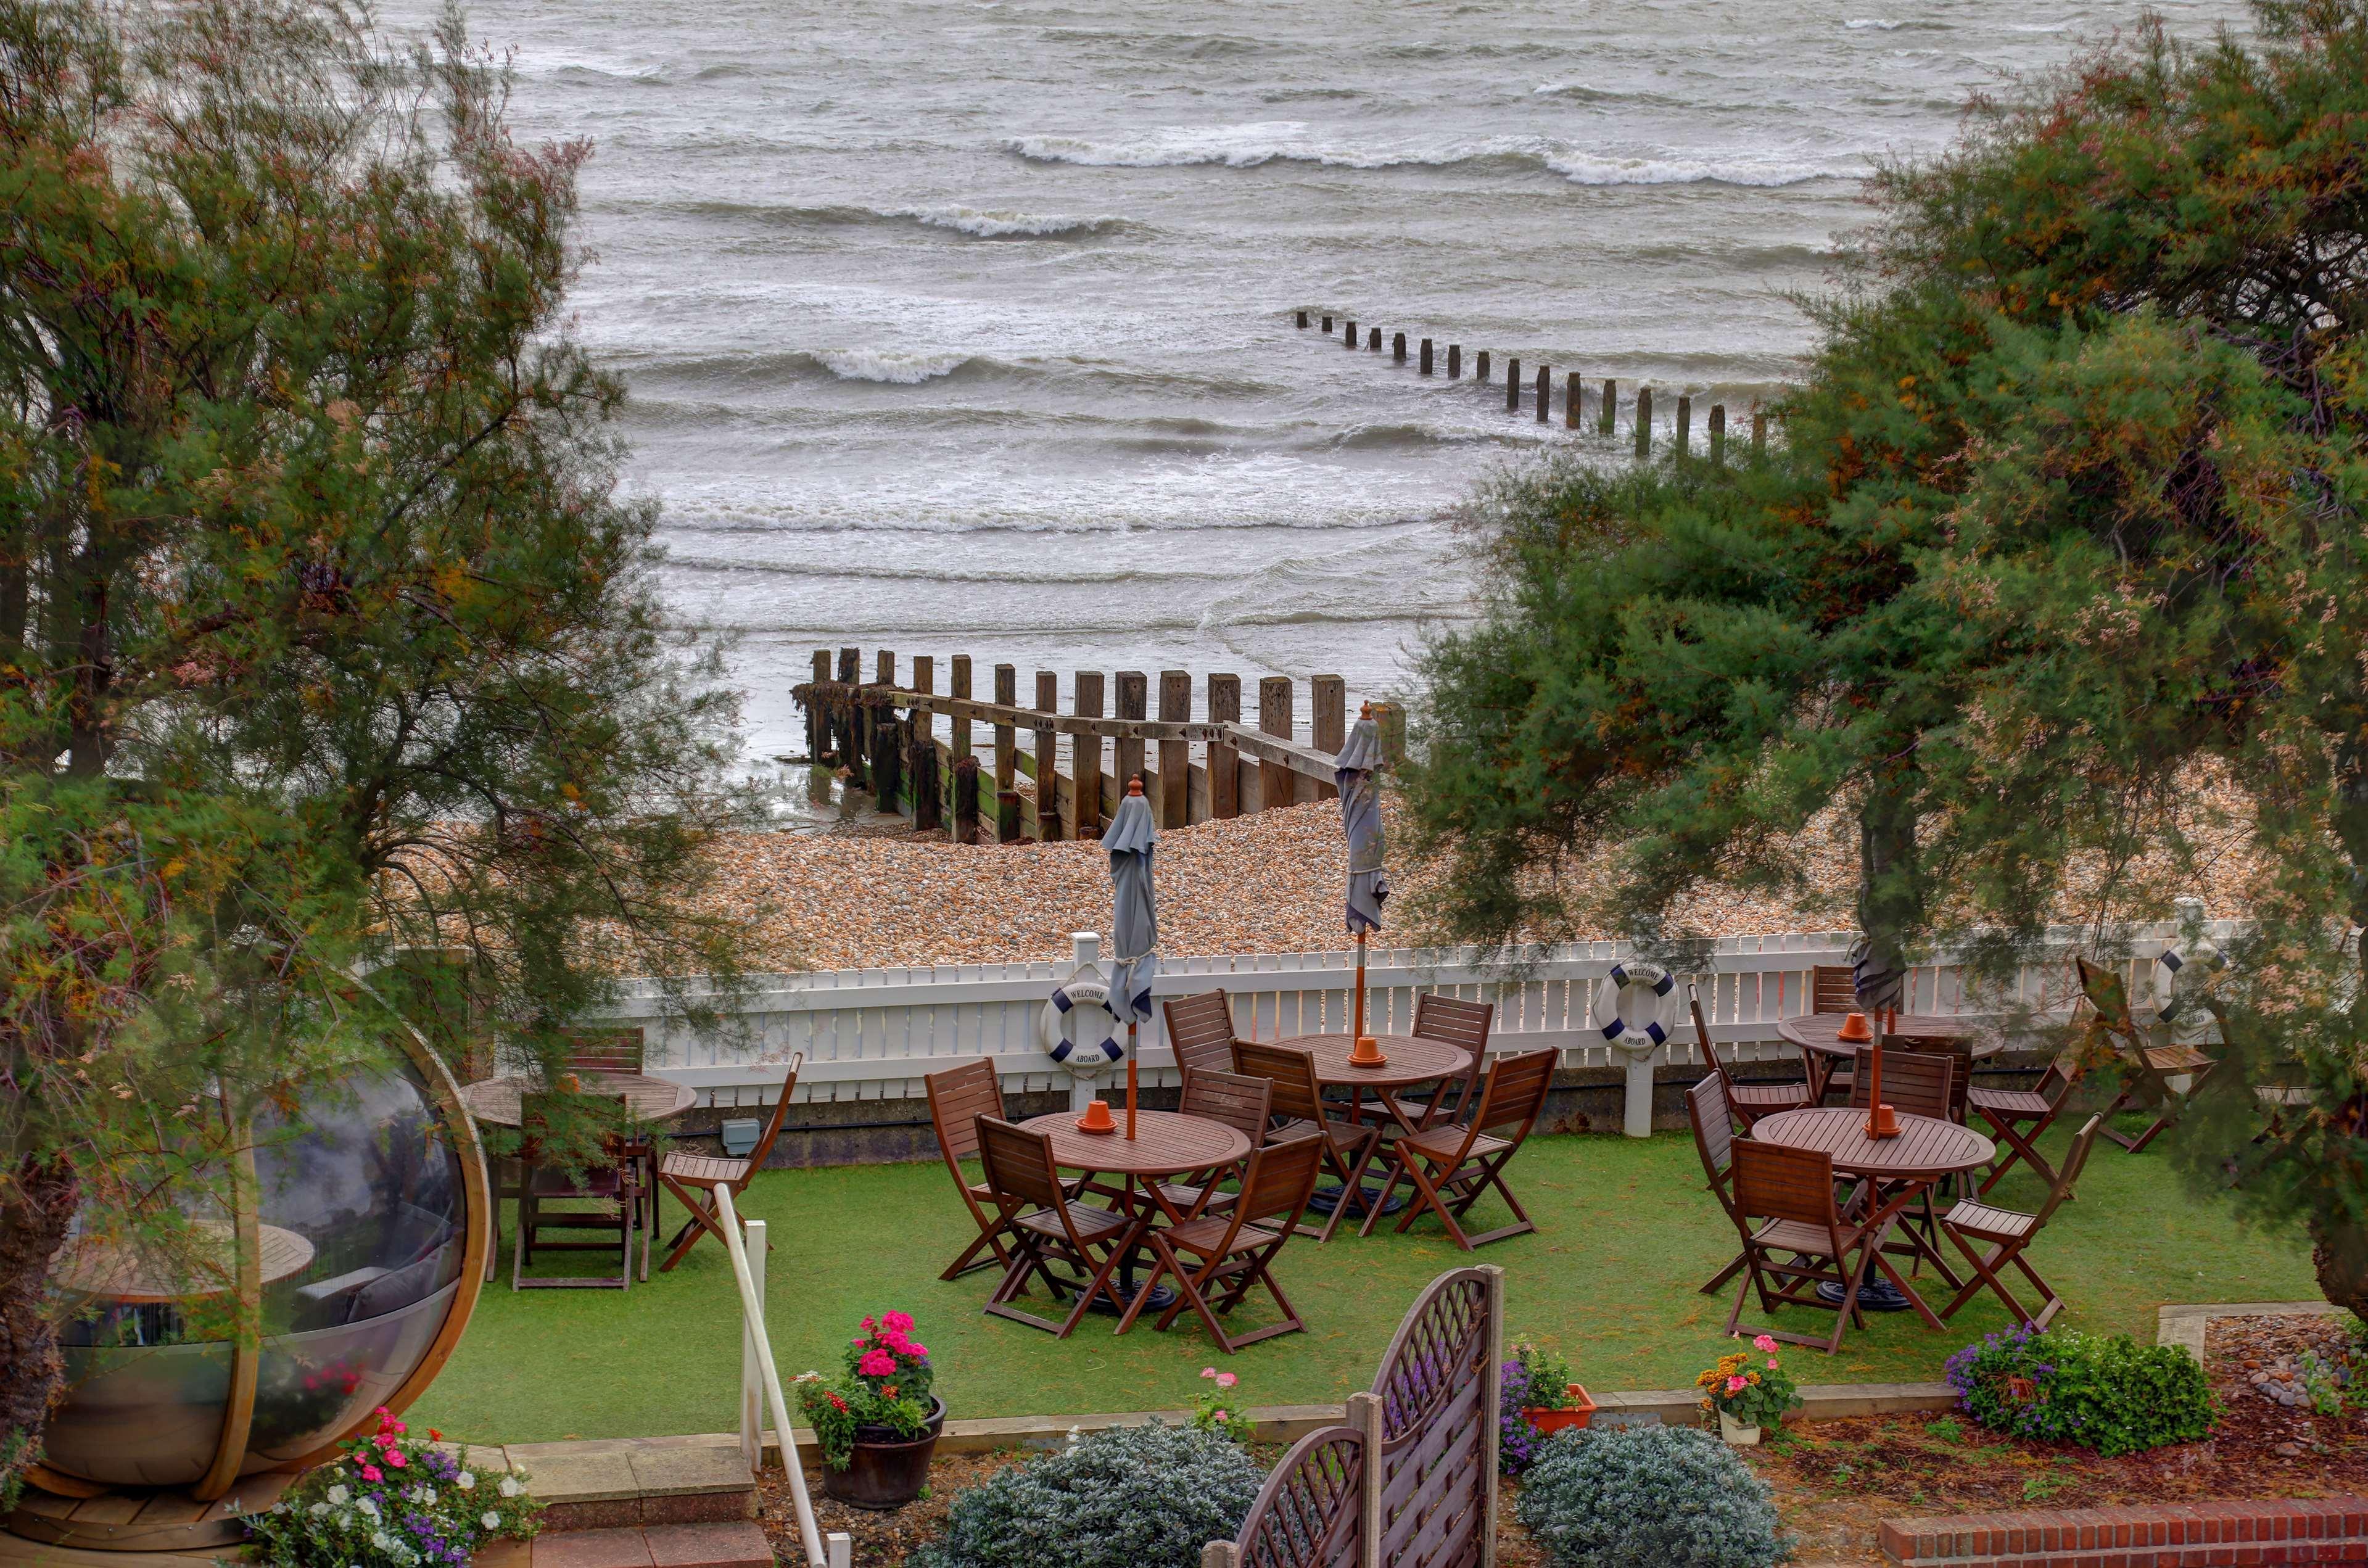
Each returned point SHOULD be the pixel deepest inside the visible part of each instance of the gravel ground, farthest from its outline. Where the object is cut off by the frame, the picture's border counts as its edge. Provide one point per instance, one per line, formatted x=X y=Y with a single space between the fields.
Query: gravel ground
x=871 y=893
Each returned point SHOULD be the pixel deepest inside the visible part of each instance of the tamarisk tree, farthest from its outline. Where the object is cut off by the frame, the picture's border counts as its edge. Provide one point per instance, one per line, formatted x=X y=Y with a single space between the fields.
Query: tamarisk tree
x=324 y=632
x=2059 y=572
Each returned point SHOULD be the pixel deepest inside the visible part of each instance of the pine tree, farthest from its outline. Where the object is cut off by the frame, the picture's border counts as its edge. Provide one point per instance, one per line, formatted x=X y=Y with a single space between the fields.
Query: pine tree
x=2067 y=522
x=324 y=632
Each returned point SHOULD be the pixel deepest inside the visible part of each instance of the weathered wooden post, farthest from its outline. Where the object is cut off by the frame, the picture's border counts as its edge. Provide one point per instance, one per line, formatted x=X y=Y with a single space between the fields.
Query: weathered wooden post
x=1611 y=406
x=1480 y=367
x=1086 y=756
x=1512 y=386
x=1174 y=804
x=817 y=720
x=1391 y=718
x=1717 y=433
x=1643 y=422
x=1048 y=758
x=1303 y=321
x=1759 y=433
x=1426 y=356
x=958 y=685
x=1685 y=424
x=1274 y=719
x=966 y=800
x=1348 y=334
x=1546 y=393
x=887 y=759
x=920 y=753
x=1397 y=348
x=1135 y=703
x=1455 y=361
x=1572 y=400
x=853 y=755
x=1224 y=761
x=1374 y=342
x=1327 y=702
x=1328 y=323
x=1007 y=758
x=929 y=806
x=884 y=672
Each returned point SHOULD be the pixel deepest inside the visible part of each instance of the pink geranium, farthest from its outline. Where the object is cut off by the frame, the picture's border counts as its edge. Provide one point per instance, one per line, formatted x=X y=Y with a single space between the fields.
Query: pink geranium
x=1735 y=1385
x=876 y=1364
x=372 y=1472
x=394 y=1457
x=1226 y=1380
x=896 y=1323
x=1765 y=1345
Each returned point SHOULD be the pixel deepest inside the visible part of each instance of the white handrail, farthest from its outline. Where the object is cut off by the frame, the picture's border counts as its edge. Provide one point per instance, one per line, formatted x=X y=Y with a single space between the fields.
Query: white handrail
x=752 y=1306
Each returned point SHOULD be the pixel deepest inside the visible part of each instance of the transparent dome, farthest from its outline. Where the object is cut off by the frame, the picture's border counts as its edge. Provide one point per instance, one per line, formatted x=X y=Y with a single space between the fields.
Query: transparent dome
x=363 y=1216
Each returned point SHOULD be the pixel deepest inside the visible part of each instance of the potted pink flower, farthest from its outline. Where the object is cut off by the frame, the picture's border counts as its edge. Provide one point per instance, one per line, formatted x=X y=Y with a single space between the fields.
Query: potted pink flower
x=1747 y=1390
x=878 y=1426
x=1220 y=1411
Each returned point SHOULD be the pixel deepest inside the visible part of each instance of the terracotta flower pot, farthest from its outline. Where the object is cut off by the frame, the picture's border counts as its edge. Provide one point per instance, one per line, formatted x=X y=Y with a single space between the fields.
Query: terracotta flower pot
x=1576 y=1410
x=884 y=1470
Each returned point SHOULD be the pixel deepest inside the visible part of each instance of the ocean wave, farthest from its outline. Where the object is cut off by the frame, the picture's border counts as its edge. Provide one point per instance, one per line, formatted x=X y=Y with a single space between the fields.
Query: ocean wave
x=1051 y=572
x=900 y=368
x=980 y=223
x=995 y=224
x=1247 y=146
x=1891 y=24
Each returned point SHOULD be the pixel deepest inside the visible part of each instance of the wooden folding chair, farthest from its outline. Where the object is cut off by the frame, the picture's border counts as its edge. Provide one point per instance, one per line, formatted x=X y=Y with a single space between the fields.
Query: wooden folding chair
x=694 y=1179
x=1242 y=1103
x=1464 y=1025
x=1236 y=1250
x=1046 y=1226
x=1915 y=1083
x=1748 y=1101
x=2157 y=1074
x=1451 y=1166
x=1833 y=988
x=604 y=1050
x=616 y=1183
x=1295 y=1095
x=1714 y=1127
x=2022 y=1117
x=958 y=1097
x=1201 y=1032
x=1803 y=1242
x=1991 y=1238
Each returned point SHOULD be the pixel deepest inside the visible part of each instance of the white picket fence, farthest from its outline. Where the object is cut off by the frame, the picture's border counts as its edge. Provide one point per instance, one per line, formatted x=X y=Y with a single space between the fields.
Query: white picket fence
x=873 y=1033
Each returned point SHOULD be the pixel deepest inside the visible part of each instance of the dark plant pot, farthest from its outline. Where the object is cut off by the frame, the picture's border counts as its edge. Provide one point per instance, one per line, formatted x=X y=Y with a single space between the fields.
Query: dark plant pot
x=884 y=1470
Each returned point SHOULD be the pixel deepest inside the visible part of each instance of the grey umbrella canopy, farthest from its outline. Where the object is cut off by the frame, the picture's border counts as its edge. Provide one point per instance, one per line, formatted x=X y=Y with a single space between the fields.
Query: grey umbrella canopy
x=1134 y=929
x=1357 y=771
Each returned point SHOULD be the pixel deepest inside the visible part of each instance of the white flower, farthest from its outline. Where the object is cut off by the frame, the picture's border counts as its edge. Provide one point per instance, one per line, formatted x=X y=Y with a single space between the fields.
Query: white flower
x=369 y=1505
x=466 y=1481
x=509 y=1487
x=492 y=1520
x=382 y=1540
x=338 y=1494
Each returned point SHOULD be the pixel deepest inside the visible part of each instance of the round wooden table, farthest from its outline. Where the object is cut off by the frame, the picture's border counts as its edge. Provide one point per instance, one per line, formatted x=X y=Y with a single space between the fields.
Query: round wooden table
x=1927 y=1152
x=497 y=1100
x=1823 y=1050
x=1165 y=1143
x=129 y=1275
x=1411 y=1060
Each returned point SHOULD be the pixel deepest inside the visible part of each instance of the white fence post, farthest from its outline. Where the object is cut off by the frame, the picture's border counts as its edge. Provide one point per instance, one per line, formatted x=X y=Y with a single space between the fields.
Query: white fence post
x=752 y=1375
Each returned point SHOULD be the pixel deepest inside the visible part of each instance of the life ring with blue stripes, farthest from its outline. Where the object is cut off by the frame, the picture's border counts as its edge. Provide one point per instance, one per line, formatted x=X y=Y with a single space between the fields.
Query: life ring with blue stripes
x=1080 y=1031
x=1653 y=978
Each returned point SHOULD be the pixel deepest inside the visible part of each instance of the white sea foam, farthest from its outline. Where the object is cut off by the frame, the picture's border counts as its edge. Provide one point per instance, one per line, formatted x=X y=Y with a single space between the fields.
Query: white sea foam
x=1247 y=146
x=903 y=368
x=994 y=224
x=1583 y=168
x=1873 y=24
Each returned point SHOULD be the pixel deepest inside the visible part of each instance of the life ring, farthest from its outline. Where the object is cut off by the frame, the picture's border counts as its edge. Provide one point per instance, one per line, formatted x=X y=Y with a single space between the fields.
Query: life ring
x=1080 y=1031
x=2172 y=962
x=1660 y=981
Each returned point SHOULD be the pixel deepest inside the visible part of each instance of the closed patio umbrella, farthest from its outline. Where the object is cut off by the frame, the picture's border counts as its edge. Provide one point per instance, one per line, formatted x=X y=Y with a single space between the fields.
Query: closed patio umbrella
x=1357 y=771
x=1134 y=925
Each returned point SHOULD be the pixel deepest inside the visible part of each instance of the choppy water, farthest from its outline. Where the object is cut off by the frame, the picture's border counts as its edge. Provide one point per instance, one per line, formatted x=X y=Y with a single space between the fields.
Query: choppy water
x=965 y=326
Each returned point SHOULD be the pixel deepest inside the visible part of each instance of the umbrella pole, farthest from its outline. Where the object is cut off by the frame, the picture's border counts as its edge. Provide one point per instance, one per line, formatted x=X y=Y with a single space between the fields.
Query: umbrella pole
x=1357 y=1030
x=1131 y=1027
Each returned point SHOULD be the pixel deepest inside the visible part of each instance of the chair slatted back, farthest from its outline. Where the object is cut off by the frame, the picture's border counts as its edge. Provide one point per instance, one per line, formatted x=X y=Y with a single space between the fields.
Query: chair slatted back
x=1516 y=1092
x=535 y=1114
x=1280 y=1177
x=1295 y=1095
x=1240 y=1101
x=958 y=1097
x=1018 y=1163
x=1201 y=1031
x=1958 y=1048
x=1914 y=1083
x=603 y=1050
x=1454 y=1020
x=764 y=1149
x=1833 y=989
x=1709 y=1050
x=1772 y=1182
x=2068 y=1172
x=1713 y=1125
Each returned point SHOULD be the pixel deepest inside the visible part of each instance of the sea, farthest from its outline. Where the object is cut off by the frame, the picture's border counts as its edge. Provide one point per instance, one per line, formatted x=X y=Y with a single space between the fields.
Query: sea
x=968 y=326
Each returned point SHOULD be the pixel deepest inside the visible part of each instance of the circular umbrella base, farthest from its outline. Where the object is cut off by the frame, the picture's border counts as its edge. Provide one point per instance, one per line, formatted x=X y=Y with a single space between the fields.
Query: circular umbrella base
x=1324 y=1200
x=1875 y=1296
x=1114 y=1298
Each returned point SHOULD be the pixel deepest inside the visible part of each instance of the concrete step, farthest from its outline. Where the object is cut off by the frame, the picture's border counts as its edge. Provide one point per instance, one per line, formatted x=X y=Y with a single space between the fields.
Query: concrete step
x=740 y=1544
x=620 y=1483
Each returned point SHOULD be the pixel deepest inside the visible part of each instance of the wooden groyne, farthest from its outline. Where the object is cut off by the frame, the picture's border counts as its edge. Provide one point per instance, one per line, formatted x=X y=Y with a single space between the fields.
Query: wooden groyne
x=882 y=734
x=1575 y=404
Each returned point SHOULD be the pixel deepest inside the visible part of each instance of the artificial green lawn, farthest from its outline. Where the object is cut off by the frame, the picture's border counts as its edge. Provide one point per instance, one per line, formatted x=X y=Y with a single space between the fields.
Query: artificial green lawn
x=1626 y=1235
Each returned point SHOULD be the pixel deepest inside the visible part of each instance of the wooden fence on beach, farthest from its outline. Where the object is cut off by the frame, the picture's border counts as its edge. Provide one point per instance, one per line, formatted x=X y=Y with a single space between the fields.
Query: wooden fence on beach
x=882 y=732
x=1575 y=403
